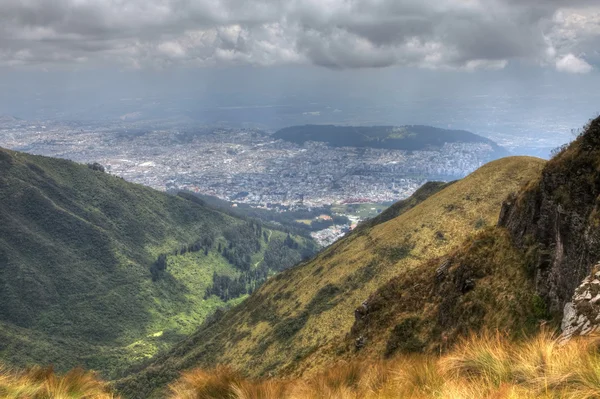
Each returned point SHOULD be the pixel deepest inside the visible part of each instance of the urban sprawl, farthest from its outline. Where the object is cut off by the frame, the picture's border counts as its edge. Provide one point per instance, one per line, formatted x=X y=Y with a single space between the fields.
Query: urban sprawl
x=245 y=165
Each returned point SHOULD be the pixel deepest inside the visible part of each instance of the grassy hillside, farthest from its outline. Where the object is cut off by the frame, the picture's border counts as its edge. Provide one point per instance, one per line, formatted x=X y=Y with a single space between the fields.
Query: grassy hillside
x=297 y=323
x=398 y=208
x=104 y=273
x=484 y=284
x=414 y=137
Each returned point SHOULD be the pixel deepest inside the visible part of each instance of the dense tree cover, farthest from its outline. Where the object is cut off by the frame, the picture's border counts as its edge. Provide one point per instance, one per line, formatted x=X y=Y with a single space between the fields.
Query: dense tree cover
x=244 y=241
x=96 y=166
x=159 y=267
x=415 y=137
x=278 y=256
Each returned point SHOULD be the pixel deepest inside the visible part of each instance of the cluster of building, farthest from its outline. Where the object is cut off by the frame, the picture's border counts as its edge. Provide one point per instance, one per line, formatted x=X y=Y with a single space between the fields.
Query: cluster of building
x=245 y=165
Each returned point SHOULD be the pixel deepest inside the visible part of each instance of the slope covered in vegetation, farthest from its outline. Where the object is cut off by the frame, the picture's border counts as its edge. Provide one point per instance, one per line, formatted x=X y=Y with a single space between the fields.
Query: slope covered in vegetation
x=104 y=273
x=298 y=322
x=399 y=207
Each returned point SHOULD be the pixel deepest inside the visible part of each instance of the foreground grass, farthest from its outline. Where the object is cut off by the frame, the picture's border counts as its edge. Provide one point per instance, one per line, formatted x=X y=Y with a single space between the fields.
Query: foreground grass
x=489 y=366
x=481 y=367
x=43 y=383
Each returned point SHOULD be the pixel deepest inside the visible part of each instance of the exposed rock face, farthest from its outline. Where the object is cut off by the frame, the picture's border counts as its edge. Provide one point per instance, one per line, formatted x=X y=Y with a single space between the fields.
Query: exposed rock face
x=581 y=316
x=556 y=221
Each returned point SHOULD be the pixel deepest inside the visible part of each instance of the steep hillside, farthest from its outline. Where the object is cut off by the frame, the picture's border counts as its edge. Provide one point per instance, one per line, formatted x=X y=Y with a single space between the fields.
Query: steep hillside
x=556 y=220
x=298 y=321
x=484 y=285
x=104 y=273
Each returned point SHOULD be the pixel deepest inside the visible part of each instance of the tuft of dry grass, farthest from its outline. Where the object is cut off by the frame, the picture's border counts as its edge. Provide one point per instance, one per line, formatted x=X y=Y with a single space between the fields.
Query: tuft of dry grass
x=488 y=366
x=43 y=383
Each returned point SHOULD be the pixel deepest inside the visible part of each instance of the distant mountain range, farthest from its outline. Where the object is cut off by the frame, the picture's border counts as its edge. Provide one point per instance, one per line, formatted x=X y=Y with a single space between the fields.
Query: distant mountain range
x=411 y=138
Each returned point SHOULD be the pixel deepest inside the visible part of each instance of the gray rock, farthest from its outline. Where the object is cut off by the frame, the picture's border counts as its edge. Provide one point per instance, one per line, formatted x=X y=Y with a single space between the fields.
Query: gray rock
x=581 y=316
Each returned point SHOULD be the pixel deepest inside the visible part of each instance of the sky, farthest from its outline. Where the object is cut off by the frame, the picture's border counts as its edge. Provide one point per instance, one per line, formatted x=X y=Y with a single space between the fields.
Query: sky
x=465 y=34
x=265 y=52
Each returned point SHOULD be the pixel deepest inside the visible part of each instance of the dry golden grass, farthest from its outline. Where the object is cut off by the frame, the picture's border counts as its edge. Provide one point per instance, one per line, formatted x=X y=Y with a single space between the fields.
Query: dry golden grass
x=43 y=383
x=486 y=367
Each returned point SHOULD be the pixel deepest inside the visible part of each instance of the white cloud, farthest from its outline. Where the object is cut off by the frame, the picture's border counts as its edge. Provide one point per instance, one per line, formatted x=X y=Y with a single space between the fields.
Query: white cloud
x=459 y=34
x=486 y=64
x=572 y=64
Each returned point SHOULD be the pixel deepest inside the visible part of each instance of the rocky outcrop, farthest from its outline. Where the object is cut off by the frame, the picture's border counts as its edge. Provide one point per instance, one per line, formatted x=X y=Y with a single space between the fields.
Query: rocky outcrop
x=556 y=220
x=581 y=316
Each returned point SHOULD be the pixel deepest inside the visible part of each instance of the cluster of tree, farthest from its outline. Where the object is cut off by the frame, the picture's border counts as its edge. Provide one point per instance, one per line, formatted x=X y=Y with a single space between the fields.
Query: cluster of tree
x=205 y=244
x=321 y=224
x=244 y=241
x=159 y=267
x=290 y=242
x=226 y=287
x=96 y=166
x=279 y=255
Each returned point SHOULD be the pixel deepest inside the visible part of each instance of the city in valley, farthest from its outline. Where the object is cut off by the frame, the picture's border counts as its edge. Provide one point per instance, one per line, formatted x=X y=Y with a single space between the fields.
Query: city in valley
x=248 y=166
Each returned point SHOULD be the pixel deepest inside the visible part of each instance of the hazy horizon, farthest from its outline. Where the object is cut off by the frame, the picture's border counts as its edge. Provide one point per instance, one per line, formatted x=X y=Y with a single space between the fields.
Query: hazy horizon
x=505 y=69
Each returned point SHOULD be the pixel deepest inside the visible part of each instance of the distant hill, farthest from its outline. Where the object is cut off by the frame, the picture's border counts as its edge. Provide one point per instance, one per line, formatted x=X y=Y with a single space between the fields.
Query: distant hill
x=410 y=138
x=99 y=272
x=304 y=319
x=8 y=119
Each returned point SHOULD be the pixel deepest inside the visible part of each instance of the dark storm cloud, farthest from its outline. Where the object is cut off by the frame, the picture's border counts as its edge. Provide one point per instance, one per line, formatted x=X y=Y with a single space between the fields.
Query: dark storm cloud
x=333 y=33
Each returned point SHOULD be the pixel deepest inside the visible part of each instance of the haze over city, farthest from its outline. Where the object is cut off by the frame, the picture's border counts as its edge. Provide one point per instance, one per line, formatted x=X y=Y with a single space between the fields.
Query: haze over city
x=501 y=68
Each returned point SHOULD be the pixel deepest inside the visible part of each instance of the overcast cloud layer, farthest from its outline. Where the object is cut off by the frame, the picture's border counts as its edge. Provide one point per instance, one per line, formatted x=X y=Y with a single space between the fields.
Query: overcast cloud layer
x=458 y=34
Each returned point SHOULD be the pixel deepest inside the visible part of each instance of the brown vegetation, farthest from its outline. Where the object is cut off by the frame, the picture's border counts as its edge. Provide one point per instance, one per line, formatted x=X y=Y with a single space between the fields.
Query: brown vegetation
x=488 y=366
x=43 y=383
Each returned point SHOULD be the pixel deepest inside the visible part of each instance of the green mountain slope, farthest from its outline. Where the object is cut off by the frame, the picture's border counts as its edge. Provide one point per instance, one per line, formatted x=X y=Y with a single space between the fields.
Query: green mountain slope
x=104 y=273
x=300 y=321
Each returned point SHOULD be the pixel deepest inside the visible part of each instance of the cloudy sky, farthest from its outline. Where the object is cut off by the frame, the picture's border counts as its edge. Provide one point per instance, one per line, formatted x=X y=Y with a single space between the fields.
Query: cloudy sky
x=338 y=34
x=504 y=68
